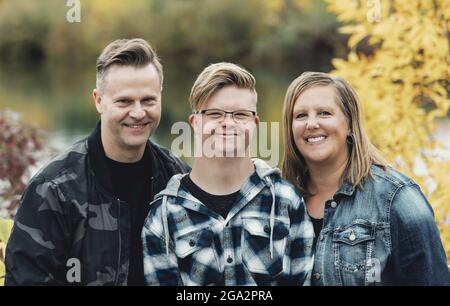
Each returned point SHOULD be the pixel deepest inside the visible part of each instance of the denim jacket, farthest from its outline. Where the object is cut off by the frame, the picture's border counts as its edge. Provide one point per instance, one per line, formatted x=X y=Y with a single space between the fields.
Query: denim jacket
x=266 y=239
x=382 y=234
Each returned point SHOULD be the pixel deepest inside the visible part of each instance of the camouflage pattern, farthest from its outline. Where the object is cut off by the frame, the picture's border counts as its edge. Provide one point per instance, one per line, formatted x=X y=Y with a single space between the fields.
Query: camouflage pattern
x=65 y=213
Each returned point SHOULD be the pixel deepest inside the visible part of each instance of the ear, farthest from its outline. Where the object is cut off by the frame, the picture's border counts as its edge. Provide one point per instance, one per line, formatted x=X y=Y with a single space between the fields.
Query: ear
x=191 y=120
x=195 y=123
x=257 y=120
x=97 y=100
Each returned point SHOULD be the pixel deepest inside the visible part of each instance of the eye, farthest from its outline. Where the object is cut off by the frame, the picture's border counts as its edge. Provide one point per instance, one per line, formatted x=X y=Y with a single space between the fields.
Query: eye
x=214 y=114
x=242 y=115
x=300 y=116
x=149 y=101
x=324 y=113
x=123 y=102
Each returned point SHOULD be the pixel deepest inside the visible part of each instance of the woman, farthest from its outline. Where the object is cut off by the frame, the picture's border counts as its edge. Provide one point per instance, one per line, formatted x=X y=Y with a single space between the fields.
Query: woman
x=373 y=224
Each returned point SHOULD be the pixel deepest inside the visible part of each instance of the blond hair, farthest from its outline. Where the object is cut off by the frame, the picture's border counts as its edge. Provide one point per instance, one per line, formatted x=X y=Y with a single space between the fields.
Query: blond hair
x=217 y=76
x=126 y=52
x=362 y=153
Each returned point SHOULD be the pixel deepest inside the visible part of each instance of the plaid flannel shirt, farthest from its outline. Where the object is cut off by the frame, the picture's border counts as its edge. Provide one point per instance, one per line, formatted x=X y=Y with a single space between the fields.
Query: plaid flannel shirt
x=266 y=239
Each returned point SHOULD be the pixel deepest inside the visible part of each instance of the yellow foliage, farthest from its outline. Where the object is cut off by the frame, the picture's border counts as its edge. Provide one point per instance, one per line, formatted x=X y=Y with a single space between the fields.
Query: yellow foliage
x=403 y=84
x=5 y=230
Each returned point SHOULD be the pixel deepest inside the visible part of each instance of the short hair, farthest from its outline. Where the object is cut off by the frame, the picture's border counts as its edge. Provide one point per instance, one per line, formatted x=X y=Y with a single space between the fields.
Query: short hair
x=217 y=76
x=126 y=52
x=362 y=153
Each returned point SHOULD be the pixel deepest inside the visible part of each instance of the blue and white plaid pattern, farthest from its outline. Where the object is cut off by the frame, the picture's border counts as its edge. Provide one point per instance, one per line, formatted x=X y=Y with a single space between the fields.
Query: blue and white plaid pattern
x=203 y=248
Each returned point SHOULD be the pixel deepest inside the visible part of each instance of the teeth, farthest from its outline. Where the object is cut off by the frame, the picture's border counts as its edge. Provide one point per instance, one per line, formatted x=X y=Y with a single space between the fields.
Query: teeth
x=136 y=126
x=315 y=139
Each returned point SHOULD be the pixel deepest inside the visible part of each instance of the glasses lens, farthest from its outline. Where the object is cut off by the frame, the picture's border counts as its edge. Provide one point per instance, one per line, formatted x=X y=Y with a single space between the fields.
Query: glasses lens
x=243 y=116
x=238 y=116
x=214 y=114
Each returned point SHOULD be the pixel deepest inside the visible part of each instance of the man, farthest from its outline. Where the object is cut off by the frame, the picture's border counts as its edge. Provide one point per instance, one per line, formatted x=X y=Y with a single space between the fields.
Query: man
x=81 y=216
x=232 y=220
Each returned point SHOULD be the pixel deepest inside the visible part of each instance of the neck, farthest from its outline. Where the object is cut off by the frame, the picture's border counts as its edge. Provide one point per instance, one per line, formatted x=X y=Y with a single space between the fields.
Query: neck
x=124 y=156
x=325 y=178
x=223 y=176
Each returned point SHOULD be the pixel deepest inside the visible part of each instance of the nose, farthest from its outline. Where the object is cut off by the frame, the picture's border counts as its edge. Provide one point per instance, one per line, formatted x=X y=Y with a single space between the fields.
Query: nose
x=228 y=118
x=137 y=112
x=312 y=123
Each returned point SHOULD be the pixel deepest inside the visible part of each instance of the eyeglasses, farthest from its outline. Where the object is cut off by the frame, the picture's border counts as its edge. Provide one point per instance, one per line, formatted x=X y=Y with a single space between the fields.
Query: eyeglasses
x=239 y=116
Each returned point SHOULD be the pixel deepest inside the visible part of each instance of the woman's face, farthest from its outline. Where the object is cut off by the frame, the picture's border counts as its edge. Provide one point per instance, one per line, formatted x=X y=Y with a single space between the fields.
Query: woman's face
x=320 y=128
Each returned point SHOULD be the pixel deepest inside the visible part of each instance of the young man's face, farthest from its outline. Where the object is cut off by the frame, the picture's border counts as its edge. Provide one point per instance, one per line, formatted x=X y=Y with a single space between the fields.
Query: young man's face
x=130 y=108
x=226 y=136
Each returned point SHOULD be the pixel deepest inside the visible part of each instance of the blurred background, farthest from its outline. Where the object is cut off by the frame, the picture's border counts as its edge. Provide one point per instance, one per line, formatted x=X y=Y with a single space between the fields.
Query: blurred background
x=395 y=53
x=48 y=64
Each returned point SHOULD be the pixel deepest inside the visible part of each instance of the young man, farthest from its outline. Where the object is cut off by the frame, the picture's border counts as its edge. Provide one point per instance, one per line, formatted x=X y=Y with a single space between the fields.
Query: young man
x=81 y=216
x=231 y=221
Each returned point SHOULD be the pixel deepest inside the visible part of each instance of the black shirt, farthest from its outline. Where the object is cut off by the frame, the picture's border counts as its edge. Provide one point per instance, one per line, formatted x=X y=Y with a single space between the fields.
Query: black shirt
x=317 y=224
x=131 y=183
x=220 y=204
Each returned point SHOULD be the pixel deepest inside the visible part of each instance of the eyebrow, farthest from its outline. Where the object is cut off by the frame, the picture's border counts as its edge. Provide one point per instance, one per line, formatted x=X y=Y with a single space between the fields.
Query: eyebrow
x=320 y=107
x=149 y=97
x=146 y=97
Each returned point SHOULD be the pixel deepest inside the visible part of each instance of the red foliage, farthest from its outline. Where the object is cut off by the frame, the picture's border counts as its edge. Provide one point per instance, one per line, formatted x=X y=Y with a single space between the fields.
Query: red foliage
x=19 y=143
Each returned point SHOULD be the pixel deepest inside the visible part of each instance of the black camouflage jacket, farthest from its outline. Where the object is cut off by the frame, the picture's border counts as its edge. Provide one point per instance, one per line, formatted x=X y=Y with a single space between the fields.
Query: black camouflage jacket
x=68 y=213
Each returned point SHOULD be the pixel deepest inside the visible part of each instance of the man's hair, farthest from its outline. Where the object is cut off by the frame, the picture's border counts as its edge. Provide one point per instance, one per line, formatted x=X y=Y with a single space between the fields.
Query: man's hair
x=217 y=76
x=126 y=52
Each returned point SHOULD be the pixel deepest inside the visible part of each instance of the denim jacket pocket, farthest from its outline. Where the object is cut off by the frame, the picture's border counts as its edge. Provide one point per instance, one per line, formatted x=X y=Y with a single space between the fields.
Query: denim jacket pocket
x=353 y=248
x=256 y=254
x=198 y=257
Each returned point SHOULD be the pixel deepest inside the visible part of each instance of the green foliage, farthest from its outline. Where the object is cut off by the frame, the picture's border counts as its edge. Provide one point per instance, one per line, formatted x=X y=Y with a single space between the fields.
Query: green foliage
x=190 y=32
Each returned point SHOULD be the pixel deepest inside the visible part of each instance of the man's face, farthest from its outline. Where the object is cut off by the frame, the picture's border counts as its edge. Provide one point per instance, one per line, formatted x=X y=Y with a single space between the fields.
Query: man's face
x=224 y=136
x=130 y=108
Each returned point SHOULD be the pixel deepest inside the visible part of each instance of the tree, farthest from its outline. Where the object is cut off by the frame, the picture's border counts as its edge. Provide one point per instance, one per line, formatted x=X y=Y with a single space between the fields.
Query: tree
x=399 y=63
x=19 y=143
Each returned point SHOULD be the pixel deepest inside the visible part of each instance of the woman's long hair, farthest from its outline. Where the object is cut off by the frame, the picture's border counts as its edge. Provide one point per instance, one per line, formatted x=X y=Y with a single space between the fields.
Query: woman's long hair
x=362 y=154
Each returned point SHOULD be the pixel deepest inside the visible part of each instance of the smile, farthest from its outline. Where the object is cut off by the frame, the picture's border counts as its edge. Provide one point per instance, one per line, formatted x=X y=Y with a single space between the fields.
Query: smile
x=315 y=139
x=137 y=126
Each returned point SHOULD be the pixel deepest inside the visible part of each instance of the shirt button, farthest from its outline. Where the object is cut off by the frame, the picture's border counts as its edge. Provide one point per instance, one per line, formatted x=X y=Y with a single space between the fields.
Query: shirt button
x=229 y=259
x=267 y=229
x=316 y=276
x=333 y=204
x=191 y=243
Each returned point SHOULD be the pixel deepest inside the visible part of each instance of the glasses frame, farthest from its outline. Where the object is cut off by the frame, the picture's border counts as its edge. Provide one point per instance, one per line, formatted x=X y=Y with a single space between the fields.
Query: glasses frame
x=225 y=113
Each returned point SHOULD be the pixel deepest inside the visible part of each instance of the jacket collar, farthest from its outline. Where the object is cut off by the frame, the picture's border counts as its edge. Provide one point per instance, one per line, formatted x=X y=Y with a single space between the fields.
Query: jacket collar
x=98 y=162
x=346 y=189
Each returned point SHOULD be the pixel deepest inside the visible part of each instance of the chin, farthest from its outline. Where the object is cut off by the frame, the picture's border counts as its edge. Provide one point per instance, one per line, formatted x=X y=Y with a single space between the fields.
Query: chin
x=224 y=152
x=136 y=143
x=317 y=159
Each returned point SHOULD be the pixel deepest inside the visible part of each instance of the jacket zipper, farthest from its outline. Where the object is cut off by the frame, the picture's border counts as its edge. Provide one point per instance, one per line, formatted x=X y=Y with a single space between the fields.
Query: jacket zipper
x=120 y=245
x=119 y=238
